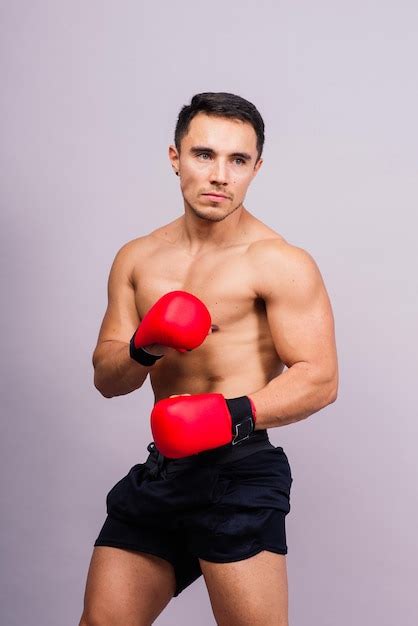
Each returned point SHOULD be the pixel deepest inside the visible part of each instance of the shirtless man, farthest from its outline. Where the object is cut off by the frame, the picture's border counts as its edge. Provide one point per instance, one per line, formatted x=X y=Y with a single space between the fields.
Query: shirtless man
x=269 y=309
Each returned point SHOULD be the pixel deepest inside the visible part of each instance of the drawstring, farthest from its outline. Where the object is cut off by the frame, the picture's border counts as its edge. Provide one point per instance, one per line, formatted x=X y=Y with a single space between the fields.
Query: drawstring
x=158 y=458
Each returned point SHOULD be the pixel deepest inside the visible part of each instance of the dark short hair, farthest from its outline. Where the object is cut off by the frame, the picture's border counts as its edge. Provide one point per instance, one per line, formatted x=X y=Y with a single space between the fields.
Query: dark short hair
x=221 y=105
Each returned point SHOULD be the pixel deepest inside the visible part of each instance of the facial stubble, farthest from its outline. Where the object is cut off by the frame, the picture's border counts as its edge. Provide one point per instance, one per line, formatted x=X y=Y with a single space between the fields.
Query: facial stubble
x=213 y=218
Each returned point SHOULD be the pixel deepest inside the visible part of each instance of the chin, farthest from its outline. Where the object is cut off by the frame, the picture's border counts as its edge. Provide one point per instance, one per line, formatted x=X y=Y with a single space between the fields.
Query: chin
x=210 y=217
x=212 y=213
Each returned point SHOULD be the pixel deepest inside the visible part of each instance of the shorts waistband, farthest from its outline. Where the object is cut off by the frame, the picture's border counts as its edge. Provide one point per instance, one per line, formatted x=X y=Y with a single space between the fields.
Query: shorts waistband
x=258 y=440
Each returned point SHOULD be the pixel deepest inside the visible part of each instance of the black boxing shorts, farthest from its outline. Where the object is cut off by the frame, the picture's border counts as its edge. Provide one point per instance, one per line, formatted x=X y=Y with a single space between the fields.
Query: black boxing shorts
x=221 y=505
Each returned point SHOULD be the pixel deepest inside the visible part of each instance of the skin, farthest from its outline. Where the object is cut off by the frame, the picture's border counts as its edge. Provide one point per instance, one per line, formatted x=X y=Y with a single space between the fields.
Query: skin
x=269 y=308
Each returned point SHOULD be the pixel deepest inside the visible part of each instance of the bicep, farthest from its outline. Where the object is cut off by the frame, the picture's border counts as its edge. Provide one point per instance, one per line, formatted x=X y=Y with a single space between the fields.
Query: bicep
x=121 y=317
x=300 y=315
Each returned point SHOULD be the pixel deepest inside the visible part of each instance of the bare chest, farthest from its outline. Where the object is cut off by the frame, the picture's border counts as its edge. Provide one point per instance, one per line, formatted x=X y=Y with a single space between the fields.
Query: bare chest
x=223 y=280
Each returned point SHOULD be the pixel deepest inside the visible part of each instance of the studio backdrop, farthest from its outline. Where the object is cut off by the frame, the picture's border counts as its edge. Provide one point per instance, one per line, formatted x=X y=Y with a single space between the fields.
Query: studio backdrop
x=90 y=93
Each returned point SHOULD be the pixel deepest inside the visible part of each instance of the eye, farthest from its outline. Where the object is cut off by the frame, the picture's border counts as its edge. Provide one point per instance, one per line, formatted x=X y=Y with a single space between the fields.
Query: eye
x=239 y=159
x=204 y=154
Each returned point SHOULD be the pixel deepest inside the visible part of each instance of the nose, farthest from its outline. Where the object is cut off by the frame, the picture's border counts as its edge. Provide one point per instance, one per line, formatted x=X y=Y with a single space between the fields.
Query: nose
x=219 y=173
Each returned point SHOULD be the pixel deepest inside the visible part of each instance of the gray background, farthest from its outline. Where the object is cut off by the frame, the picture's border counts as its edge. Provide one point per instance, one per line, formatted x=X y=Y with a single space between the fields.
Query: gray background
x=90 y=92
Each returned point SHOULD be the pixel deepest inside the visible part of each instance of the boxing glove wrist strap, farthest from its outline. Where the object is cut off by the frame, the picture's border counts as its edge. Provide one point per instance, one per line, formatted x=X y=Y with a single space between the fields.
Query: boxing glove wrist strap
x=142 y=356
x=242 y=412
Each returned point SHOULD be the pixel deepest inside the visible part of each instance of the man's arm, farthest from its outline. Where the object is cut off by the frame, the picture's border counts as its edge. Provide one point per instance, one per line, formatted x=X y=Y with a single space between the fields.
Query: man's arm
x=302 y=327
x=115 y=372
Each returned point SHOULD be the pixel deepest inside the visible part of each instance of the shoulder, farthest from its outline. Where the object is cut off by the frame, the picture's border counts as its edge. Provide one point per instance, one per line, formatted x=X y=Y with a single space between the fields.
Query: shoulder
x=269 y=246
x=134 y=251
x=278 y=250
x=279 y=266
x=127 y=255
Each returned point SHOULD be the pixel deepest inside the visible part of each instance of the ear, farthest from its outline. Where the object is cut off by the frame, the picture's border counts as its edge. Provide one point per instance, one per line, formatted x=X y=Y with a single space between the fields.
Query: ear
x=173 y=155
x=257 y=166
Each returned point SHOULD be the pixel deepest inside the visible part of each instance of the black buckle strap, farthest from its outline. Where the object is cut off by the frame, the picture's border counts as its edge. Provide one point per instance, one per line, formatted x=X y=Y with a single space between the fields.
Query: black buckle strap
x=242 y=418
x=142 y=356
x=243 y=430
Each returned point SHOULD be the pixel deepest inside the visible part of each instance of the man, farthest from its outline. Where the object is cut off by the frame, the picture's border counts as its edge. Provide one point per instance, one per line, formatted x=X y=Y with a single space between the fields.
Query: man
x=216 y=503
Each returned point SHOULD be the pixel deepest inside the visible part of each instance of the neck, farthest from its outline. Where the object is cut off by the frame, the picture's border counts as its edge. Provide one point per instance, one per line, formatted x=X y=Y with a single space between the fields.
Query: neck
x=201 y=234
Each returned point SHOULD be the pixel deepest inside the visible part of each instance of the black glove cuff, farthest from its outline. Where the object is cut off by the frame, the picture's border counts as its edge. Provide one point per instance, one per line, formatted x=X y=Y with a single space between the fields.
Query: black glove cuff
x=141 y=356
x=242 y=418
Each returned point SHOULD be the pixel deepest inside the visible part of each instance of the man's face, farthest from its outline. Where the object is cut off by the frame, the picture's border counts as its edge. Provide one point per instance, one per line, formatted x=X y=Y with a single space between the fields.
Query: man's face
x=218 y=155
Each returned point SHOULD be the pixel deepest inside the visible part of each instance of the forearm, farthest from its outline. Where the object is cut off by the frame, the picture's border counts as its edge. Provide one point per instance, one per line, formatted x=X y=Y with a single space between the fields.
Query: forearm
x=115 y=372
x=294 y=395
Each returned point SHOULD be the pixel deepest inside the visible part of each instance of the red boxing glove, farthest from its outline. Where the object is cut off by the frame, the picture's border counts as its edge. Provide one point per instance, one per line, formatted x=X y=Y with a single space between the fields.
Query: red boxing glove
x=178 y=320
x=186 y=425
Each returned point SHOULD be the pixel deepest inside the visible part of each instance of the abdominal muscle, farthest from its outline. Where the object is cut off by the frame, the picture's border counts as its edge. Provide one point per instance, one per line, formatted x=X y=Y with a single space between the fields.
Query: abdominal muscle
x=233 y=368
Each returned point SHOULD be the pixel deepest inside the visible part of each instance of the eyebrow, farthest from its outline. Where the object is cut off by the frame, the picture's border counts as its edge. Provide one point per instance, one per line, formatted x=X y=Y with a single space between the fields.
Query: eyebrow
x=242 y=155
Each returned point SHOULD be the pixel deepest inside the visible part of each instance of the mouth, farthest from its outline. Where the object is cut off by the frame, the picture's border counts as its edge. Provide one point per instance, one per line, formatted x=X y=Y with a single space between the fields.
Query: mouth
x=215 y=196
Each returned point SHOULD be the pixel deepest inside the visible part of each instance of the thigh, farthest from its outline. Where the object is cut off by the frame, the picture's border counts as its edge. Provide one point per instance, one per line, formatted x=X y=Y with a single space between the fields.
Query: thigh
x=126 y=587
x=250 y=592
